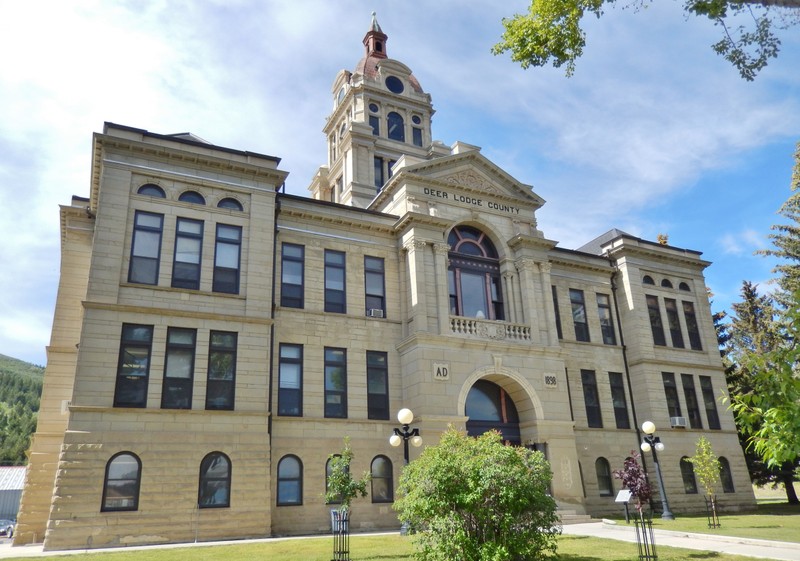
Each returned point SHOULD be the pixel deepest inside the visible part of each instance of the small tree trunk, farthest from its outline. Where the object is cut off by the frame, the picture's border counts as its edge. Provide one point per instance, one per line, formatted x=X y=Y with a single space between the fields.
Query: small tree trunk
x=787 y=480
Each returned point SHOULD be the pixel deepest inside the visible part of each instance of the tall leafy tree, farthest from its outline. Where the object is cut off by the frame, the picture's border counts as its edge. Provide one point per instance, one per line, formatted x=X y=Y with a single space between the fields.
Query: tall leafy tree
x=551 y=32
x=755 y=333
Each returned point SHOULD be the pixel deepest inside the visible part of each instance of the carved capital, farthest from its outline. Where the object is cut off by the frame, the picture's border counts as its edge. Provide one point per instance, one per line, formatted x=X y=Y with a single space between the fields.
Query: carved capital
x=441 y=249
x=545 y=267
x=525 y=264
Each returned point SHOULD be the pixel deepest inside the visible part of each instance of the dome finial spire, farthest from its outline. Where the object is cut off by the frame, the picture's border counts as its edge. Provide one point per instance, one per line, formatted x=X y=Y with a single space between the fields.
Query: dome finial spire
x=375 y=25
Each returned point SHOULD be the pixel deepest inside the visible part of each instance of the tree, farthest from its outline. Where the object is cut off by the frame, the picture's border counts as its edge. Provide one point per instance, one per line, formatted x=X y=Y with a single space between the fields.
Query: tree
x=770 y=413
x=476 y=499
x=635 y=480
x=707 y=468
x=786 y=239
x=754 y=333
x=342 y=486
x=551 y=30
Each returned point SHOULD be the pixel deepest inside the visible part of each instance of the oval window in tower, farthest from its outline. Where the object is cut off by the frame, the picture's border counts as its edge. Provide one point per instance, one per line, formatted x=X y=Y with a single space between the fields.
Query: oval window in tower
x=395 y=84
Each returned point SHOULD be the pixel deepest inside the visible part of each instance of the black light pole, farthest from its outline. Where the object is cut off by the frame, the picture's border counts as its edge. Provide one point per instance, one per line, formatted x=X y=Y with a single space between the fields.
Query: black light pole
x=405 y=417
x=653 y=443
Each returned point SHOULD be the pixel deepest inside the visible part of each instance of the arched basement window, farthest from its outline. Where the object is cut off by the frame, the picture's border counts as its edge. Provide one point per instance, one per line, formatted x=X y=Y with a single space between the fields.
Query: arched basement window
x=489 y=407
x=122 y=481
x=215 y=481
x=474 y=275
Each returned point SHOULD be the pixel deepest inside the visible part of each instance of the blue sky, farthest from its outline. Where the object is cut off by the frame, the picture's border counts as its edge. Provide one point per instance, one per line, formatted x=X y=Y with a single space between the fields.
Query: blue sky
x=653 y=134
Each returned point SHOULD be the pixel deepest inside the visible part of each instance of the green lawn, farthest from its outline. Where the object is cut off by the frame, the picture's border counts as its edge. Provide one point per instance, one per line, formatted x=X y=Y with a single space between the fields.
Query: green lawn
x=779 y=522
x=386 y=548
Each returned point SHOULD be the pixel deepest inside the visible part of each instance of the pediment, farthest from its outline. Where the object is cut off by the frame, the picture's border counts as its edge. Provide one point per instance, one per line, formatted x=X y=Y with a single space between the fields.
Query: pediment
x=467 y=177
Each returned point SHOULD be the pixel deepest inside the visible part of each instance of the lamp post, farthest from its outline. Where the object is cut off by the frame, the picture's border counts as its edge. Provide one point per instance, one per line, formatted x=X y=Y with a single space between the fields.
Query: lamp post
x=653 y=443
x=404 y=434
x=405 y=417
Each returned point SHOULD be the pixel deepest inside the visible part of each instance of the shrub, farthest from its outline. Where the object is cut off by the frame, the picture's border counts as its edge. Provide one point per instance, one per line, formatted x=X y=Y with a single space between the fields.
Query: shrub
x=476 y=499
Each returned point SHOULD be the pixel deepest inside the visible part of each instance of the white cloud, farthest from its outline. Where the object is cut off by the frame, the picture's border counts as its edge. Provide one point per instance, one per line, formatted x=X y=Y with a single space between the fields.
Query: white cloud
x=649 y=111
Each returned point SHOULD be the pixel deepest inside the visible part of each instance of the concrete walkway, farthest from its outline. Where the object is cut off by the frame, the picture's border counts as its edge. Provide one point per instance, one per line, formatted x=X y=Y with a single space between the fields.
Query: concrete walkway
x=761 y=549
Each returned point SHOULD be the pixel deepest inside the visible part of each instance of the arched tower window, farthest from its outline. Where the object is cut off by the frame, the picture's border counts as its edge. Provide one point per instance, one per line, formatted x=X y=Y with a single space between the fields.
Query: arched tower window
x=474 y=275
x=395 y=128
x=490 y=407
x=192 y=197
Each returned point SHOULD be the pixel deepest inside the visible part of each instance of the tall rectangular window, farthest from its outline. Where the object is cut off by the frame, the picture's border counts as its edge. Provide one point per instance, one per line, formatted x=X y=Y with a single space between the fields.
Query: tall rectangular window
x=691 y=326
x=176 y=391
x=290 y=380
x=226 y=259
x=619 y=400
x=221 y=370
x=145 y=247
x=692 y=407
x=377 y=164
x=133 y=368
x=710 y=402
x=416 y=136
x=579 y=314
x=377 y=385
x=671 y=393
x=592 y=399
x=655 y=321
x=335 y=383
x=188 y=251
x=335 y=281
x=292 y=275
x=375 y=123
x=606 y=321
x=673 y=322
x=375 y=286
x=557 y=312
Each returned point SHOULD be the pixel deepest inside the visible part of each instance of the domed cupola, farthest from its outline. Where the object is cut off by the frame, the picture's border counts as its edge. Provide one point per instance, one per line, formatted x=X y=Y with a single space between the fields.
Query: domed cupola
x=370 y=66
x=380 y=114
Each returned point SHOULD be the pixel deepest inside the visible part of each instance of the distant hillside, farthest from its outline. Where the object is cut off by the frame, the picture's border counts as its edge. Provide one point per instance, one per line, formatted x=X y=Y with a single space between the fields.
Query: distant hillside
x=10 y=365
x=20 y=392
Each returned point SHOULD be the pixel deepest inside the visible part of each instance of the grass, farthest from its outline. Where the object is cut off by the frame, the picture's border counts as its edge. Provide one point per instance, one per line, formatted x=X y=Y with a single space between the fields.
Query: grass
x=386 y=548
x=780 y=522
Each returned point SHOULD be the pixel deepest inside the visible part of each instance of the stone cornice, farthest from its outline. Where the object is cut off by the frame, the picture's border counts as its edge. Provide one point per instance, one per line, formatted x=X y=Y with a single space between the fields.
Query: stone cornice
x=172 y=312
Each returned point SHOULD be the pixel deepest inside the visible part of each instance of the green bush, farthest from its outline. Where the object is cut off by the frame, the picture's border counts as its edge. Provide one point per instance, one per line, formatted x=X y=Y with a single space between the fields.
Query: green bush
x=476 y=499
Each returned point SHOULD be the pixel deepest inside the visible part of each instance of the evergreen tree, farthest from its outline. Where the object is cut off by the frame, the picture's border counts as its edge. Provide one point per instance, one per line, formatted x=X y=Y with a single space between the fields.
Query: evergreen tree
x=786 y=240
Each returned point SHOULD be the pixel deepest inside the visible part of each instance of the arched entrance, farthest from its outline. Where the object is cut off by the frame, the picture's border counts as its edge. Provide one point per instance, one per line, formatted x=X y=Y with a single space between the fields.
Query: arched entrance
x=489 y=407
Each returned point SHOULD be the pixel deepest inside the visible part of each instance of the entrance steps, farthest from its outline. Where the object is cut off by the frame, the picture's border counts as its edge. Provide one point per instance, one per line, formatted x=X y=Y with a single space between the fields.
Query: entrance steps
x=572 y=517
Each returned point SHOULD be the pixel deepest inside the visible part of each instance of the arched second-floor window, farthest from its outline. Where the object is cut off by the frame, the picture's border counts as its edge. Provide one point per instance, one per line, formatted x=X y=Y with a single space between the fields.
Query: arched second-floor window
x=290 y=481
x=215 y=481
x=230 y=203
x=474 y=275
x=687 y=473
x=192 y=197
x=122 y=481
x=395 y=127
x=604 y=483
x=151 y=190
x=382 y=480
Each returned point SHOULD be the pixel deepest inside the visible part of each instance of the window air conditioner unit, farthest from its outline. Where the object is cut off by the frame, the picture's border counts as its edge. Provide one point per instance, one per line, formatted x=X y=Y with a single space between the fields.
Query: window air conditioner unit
x=677 y=422
x=375 y=313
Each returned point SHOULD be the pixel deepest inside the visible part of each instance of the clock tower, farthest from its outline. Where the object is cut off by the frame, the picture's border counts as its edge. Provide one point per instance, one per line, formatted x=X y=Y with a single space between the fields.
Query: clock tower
x=380 y=113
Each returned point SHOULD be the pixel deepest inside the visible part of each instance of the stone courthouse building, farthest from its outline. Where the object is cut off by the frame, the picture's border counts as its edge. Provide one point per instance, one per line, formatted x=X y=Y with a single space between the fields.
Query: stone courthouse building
x=215 y=338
